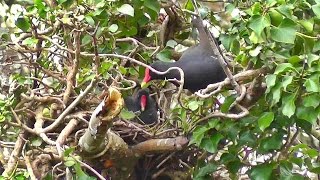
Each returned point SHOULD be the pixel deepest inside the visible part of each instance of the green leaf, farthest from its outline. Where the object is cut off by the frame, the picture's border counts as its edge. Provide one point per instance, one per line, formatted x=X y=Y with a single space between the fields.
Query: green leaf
x=275 y=17
x=286 y=81
x=37 y=141
x=256 y=8
x=211 y=144
x=271 y=81
x=193 y=105
x=261 y=172
x=232 y=162
x=227 y=103
x=90 y=20
x=113 y=28
x=198 y=135
x=68 y=151
x=227 y=40
x=125 y=114
x=286 y=10
x=307 y=113
x=255 y=52
x=294 y=60
x=247 y=138
x=164 y=55
x=82 y=175
x=23 y=24
x=86 y=39
x=206 y=170
x=257 y=23
x=311 y=100
x=284 y=67
x=285 y=33
x=316 y=10
x=126 y=9
x=153 y=5
x=171 y=43
x=30 y=41
x=311 y=85
x=287 y=174
x=307 y=24
x=69 y=161
x=312 y=58
x=276 y=94
x=289 y=106
x=265 y=120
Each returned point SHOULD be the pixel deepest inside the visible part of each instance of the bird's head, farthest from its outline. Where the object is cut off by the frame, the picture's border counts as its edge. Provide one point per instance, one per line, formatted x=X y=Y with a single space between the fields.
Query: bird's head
x=159 y=66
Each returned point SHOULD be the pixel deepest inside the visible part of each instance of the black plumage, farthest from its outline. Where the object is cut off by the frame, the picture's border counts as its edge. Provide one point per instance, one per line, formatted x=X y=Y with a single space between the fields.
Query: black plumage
x=141 y=101
x=199 y=64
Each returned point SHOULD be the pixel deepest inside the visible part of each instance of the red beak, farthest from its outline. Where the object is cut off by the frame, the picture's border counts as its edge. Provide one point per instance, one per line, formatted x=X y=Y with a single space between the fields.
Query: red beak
x=146 y=78
x=143 y=102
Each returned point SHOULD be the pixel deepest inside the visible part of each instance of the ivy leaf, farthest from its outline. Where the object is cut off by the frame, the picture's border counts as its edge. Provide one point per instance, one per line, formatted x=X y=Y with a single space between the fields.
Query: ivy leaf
x=316 y=10
x=153 y=5
x=164 y=55
x=284 y=67
x=286 y=81
x=193 y=105
x=113 y=28
x=312 y=58
x=255 y=52
x=289 y=106
x=82 y=175
x=227 y=40
x=23 y=24
x=294 y=60
x=287 y=174
x=276 y=94
x=307 y=24
x=37 y=141
x=257 y=23
x=126 y=9
x=275 y=17
x=90 y=20
x=204 y=171
x=311 y=100
x=272 y=143
x=261 y=172
x=265 y=120
x=211 y=144
x=285 y=33
x=227 y=103
x=271 y=81
x=311 y=85
x=198 y=135
x=171 y=43
x=307 y=113
x=125 y=114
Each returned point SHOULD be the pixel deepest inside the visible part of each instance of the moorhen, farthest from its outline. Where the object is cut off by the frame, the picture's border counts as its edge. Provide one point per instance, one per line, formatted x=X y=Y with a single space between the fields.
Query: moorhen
x=199 y=64
x=141 y=101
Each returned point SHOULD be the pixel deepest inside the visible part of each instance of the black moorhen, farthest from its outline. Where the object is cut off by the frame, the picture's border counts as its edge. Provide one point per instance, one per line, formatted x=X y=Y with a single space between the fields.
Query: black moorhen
x=141 y=101
x=199 y=67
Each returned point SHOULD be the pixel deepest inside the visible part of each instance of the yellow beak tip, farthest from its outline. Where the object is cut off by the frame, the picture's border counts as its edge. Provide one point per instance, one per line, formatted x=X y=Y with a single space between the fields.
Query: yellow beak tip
x=143 y=84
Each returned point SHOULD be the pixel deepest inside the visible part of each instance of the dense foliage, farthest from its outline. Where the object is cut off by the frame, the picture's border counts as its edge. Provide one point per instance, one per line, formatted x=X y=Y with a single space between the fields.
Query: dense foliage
x=51 y=52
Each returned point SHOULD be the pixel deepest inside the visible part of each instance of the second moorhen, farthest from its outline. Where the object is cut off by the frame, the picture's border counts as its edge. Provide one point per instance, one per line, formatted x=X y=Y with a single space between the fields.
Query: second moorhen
x=199 y=64
x=141 y=101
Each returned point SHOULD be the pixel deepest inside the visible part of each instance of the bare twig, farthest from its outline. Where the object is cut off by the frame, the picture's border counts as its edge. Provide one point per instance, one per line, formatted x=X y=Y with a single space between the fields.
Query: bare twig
x=52 y=126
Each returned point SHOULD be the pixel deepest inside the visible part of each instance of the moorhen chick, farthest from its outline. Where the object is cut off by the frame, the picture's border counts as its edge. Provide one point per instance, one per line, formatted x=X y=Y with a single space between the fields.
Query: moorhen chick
x=141 y=101
x=199 y=64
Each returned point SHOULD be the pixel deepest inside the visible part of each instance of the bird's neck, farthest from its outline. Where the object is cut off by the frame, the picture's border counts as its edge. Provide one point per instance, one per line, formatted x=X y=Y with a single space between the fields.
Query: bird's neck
x=204 y=40
x=171 y=74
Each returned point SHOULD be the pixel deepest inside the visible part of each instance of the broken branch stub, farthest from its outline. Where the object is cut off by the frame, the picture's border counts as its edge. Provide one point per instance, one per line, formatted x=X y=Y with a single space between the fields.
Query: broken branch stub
x=95 y=138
